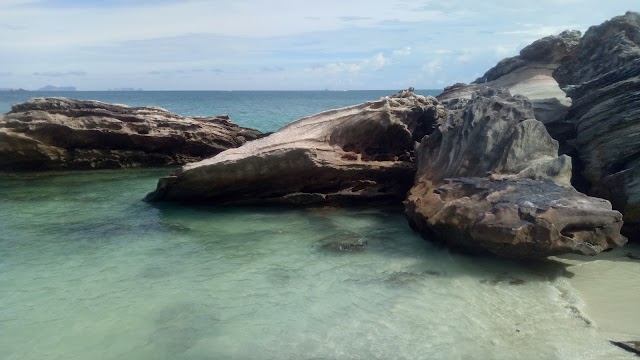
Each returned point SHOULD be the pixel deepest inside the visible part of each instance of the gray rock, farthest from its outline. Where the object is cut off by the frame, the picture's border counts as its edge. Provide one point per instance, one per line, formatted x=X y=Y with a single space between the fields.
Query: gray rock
x=489 y=180
x=357 y=153
x=548 y=50
x=603 y=79
x=60 y=133
x=604 y=48
x=530 y=74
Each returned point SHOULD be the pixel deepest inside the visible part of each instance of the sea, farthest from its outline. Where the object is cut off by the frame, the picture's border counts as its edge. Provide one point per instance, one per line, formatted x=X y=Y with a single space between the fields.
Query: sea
x=90 y=271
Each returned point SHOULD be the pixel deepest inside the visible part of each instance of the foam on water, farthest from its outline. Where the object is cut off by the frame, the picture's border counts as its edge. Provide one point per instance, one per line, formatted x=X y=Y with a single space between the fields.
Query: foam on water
x=88 y=271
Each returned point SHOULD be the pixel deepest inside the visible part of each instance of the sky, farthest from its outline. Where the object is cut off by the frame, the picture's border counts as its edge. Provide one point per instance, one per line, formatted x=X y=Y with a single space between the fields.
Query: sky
x=274 y=44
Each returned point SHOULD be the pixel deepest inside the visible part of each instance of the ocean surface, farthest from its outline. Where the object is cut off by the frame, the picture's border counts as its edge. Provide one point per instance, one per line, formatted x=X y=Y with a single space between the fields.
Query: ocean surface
x=90 y=271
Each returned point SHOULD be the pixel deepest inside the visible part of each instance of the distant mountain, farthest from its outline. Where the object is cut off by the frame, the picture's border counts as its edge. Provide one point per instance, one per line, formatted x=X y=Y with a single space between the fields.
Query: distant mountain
x=57 y=88
x=125 y=89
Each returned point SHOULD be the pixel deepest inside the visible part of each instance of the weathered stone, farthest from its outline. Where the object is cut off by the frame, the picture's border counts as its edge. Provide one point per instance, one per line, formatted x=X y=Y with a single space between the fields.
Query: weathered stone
x=59 y=133
x=530 y=74
x=357 y=153
x=603 y=79
x=489 y=180
x=604 y=48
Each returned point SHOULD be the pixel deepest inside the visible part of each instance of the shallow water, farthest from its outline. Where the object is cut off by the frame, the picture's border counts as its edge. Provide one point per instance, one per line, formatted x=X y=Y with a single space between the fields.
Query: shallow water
x=89 y=271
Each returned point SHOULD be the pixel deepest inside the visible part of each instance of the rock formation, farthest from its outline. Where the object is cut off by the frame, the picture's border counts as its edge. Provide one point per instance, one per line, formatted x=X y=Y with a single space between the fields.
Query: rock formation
x=489 y=180
x=530 y=74
x=602 y=76
x=59 y=133
x=357 y=153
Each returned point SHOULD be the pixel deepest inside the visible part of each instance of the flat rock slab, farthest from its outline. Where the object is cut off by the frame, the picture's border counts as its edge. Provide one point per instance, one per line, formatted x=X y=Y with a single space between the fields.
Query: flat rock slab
x=60 y=133
x=360 y=153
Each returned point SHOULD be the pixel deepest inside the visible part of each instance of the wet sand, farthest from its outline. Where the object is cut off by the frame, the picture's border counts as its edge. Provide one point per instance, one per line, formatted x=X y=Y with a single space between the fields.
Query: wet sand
x=609 y=285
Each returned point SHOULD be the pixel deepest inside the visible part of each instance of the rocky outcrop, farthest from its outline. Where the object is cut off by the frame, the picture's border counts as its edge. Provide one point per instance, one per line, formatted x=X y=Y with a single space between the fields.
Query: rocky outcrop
x=602 y=76
x=358 y=153
x=59 y=133
x=530 y=74
x=489 y=180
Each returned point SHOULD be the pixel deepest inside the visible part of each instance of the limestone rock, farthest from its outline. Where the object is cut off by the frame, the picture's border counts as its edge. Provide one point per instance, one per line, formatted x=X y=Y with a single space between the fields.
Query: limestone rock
x=60 y=133
x=530 y=74
x=522 y=218
x=550 y=50
x=489 y=180
x=604 y=48
x=357 y=153
x=603 y=79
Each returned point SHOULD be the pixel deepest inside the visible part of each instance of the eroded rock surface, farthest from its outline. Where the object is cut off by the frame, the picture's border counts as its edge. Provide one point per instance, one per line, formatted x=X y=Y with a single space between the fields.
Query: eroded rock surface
x=59 y=133
x=530 y=74
x=602 y=76
x=357 y=153
x=489 y=180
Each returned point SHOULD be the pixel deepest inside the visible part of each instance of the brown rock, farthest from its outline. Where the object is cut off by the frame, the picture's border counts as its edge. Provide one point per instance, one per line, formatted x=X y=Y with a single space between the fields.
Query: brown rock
x=489 y=180
x=59 y=133
x=357 y=153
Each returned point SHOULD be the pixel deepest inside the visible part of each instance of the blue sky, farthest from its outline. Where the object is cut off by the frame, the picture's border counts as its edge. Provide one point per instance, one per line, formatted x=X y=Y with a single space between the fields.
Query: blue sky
x=274 y=44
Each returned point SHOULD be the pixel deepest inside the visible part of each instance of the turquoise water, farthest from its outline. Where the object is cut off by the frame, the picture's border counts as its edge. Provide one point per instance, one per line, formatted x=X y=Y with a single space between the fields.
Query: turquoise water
x=89 y=271
x=262 y=110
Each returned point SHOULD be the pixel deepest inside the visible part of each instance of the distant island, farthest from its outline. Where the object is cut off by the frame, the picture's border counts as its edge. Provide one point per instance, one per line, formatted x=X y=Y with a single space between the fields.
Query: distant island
x=57 y=88
x=125 y=89
x=10 y=89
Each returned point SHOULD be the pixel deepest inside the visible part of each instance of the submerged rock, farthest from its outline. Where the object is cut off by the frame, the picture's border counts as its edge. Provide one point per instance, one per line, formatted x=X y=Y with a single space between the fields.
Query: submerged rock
x=602 y=76
x=503 y=278
x=348 y=242
x=357 y=153
x=530 y=74
x=60 y=133
x=489 y=180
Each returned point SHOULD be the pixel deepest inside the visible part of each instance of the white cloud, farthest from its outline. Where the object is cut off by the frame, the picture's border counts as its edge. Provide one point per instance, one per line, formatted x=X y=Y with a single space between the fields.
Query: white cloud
x=270 y=44
x=538 y=31
x=51 y=27
x=375 y=63
x=503 y=51
x=406 y=51
x=432 y=67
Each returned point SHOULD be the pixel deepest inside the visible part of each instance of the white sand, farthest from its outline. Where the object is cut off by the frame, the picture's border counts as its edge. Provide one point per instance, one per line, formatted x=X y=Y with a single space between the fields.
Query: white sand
x=610 y=287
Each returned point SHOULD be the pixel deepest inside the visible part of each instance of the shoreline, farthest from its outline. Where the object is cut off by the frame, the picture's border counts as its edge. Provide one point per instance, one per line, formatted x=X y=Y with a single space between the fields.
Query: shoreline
x=609 y=287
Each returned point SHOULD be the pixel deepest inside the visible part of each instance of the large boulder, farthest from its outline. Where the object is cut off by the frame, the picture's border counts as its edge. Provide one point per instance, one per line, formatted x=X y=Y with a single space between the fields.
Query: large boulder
x=602 y=76
x=489 y=180
x=60 y=133
x=357 y=153
x=530 y=74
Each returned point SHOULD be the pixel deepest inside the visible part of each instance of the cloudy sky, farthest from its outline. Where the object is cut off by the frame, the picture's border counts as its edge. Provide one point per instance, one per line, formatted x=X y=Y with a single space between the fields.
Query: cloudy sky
x=274 y=44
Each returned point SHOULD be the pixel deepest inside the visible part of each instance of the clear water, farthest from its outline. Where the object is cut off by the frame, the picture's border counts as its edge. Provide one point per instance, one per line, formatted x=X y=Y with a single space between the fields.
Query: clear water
x=89 y=271
x=262 y=110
